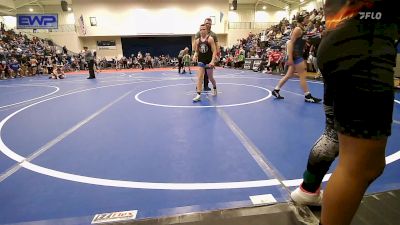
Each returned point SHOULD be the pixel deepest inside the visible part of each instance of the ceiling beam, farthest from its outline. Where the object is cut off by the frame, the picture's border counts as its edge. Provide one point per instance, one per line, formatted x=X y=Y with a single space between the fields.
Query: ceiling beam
x=7 y=4
x=22 y=3
x=6 y=13
x=40 y=5
x=304 y=2
x=276 y=3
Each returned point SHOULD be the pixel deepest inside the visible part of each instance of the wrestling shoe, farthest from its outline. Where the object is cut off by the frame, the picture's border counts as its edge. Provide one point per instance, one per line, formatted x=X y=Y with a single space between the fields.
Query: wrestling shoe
x=276 y=94
x=309 y=98
x=303 y=197
x=197 y=98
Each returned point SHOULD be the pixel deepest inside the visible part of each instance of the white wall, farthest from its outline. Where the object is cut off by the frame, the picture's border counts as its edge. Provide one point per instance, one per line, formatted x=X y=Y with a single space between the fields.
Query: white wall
x=222 y=39
x=308 y=5
x=69 y=39
x=9 y=21
x=270 y=16
x=244 y=13
x=144 y=17
x=248 y=13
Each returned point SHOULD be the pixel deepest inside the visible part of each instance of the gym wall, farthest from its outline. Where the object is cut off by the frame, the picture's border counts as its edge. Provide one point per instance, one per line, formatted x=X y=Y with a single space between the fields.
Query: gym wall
x=144 y=17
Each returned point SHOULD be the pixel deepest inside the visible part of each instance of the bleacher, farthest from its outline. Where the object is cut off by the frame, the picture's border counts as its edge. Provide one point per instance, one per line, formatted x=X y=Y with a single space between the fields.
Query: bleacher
x=258 y=47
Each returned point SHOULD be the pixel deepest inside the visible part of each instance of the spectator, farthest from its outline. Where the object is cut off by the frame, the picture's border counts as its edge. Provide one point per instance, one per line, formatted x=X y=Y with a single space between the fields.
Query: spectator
x=15 y=68
x=58 y=73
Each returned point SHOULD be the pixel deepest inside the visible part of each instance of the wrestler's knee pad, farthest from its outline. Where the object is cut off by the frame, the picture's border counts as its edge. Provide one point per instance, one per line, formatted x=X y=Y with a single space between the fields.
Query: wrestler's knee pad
x=323 y=152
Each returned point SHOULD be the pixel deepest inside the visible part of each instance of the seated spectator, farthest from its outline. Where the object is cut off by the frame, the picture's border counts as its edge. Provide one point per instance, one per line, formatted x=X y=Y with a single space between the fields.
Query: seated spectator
x=49 y=65
x=278 y=35
x=274 y=60
x=15 y=68
x=24 y=68
x=287 y=31
x=239 y=61
x=8 y=71
x=264 y=62
x=34 y=65
x=41 y=67
x=57 y=73
x=135 y=63
x=228 y=61
x=3 y=66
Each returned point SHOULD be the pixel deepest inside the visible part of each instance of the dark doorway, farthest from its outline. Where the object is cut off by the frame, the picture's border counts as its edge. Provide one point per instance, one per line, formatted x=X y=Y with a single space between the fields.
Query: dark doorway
x=156 y=45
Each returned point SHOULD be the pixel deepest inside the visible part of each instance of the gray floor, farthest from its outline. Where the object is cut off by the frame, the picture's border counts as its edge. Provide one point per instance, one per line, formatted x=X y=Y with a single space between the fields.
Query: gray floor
x=376 y=209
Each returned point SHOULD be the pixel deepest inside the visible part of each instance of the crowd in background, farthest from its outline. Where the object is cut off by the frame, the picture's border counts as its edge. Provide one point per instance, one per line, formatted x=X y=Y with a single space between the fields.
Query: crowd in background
x=270 y=45
x=23 y=56
x=138 y=61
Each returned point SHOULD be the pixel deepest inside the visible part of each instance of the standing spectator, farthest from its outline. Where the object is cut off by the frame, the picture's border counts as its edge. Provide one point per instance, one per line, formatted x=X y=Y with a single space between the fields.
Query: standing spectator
x=186 y=62
x=180 y=58
x=140 y=60
x=65 y=50
x=96 y=64
x=149 y=61
x=90 y=61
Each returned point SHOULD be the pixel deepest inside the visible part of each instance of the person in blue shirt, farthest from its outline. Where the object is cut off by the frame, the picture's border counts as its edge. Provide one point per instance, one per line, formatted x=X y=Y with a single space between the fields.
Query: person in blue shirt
x=15 y=68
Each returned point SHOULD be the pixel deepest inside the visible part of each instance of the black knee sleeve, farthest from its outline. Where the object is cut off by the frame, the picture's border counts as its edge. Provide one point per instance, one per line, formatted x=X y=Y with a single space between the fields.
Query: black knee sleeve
x=323 y=153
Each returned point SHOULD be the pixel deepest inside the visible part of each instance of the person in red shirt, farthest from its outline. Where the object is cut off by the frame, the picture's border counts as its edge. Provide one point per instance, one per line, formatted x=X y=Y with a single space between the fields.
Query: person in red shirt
x=274 y=59
x=229 y=61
